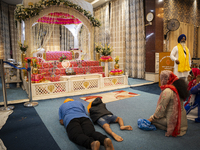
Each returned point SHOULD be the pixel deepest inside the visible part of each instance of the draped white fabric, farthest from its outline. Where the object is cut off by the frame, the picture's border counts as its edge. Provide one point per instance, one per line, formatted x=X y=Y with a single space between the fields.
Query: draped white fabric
x=84 y=42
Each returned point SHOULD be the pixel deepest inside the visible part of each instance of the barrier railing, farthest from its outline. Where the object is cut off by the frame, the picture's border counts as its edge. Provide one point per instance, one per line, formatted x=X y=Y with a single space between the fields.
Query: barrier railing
x=27 y=104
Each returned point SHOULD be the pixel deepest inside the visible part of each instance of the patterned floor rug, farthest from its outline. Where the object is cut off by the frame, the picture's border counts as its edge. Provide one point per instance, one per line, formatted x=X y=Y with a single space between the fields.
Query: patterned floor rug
x=111 y=96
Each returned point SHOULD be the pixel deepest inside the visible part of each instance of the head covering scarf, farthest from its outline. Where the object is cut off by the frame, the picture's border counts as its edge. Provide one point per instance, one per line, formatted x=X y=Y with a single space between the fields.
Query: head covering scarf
x=192 y=83
x=167 y=78
x=195 y=72
x=181 y=37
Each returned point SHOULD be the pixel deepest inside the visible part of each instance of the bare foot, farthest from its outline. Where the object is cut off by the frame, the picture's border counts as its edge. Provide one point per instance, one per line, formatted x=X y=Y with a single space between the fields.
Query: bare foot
x=108 y=144
x=128 y=127
x=117 y=137
x=95 y=145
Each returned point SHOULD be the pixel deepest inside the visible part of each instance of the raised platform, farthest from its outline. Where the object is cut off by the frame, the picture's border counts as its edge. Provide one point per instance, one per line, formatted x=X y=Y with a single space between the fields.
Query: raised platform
x=77 y=84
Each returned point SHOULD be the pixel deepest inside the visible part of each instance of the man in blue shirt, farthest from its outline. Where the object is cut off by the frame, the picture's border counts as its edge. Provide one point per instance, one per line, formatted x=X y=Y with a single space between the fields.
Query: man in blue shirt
x=80 y=129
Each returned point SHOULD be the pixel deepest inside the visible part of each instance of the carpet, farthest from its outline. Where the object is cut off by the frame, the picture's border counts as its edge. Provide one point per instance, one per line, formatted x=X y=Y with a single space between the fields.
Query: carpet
x=24 y=130
x=111 y=96
x=39 y=127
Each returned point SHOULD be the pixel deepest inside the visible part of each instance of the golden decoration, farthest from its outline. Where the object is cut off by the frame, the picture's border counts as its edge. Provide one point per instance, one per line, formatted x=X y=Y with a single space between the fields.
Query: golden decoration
x=97 y=56
x=114 y=81
x=30 y=4
x=116 y=66
x=51 y=87
x=86 y=84
x=35 y=71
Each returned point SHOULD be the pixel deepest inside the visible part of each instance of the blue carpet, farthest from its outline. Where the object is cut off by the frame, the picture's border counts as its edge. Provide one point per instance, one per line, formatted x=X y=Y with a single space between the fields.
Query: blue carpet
x=13 y=93
x=134 y=81
x=24 y=130
x=150 y=88
x=130 y=109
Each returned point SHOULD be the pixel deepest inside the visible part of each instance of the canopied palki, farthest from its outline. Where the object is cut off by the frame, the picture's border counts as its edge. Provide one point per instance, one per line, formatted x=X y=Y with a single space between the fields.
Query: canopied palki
x=58 y=37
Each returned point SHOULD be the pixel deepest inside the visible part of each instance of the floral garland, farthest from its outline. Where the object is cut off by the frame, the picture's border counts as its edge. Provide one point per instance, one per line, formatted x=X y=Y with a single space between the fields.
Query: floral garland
x=22 y=13
x=63 y=57
x=106 y=59
x=23 y=47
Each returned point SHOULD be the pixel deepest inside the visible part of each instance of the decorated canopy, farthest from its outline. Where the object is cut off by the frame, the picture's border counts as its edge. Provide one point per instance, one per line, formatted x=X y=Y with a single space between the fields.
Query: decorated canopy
x=59 y=18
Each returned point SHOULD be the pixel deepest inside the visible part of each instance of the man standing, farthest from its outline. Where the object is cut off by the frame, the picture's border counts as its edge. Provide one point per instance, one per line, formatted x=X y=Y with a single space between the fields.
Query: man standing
x=181 y=56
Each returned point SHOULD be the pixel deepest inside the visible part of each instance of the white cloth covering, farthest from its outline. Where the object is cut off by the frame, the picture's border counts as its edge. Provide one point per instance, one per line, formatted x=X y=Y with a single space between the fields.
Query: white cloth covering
x=174 y=57
x=3 y=118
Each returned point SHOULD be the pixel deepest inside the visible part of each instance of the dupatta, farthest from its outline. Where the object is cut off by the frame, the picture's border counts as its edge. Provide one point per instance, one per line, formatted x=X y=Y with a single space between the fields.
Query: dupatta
x=173 y=128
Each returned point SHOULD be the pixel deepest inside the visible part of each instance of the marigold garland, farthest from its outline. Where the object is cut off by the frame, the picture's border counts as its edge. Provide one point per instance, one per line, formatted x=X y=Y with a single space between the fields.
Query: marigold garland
x=106 y=59
x=116 y=72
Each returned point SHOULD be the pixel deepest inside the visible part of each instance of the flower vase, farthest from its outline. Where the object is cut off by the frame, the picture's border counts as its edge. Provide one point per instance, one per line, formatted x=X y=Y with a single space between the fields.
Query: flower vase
x=23 y=55
x=116 y=66
x=97 y=56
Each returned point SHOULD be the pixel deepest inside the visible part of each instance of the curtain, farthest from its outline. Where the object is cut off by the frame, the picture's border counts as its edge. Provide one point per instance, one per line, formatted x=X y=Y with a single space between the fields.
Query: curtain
x=117 y=32
x=123 y=28
x=46 y=36
x=13 y=34
x=135 y=39
x=66 y=39
x=5 y=30
x=9 y=34
x=198 y=43
x=102 y=34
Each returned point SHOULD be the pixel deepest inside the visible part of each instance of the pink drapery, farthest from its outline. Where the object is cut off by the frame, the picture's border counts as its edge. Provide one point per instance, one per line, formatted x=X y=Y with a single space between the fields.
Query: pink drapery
x=59 y=18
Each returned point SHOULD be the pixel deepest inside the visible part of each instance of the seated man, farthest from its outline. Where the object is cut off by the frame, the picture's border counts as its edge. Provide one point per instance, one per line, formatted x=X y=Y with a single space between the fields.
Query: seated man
x=99 y=114
x=79 y=128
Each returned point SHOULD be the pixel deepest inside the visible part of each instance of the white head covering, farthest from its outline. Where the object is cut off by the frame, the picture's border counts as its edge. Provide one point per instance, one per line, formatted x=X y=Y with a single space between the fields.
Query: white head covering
x=164 y=76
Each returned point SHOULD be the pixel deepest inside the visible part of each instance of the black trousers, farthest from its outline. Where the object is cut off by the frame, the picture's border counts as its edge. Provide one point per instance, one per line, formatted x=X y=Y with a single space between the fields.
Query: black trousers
x=81 y=131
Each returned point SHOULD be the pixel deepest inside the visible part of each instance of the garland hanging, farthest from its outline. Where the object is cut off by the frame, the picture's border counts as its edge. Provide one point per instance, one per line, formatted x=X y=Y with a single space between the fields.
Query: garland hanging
x=22 y=13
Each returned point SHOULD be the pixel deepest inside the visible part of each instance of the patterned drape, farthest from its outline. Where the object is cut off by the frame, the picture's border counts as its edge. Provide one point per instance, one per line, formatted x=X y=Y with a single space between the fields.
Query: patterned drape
x=117 y=32
x=66 y=39
x=13 y=33
x=5 y=30
x=125 y=34
x=135 y=39
x=9 y=34
x=102 y=34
